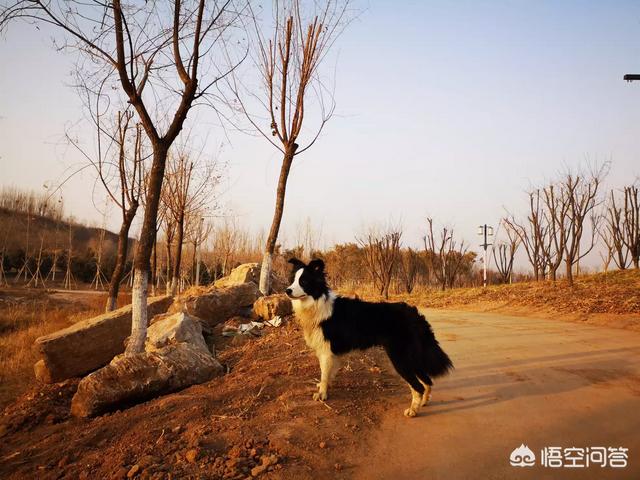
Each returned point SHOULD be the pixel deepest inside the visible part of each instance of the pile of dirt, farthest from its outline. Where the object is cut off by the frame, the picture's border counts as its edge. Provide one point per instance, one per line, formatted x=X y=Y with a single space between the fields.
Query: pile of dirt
x=258 y=420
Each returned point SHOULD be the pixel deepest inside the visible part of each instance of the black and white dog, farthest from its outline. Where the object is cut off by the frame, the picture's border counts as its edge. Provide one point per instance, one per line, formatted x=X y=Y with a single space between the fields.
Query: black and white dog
x=334 y=325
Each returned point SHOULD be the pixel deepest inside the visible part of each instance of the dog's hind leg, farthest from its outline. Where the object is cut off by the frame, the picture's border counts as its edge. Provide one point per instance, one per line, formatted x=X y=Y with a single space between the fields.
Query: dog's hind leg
x=426 y=383
x=416 y=402
x=426 y=396
x=402 y=366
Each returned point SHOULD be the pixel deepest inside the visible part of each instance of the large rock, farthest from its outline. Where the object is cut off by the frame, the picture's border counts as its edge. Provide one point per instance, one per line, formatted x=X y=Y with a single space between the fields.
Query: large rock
x=247 y=272
x=171 y=329
x=89 y=344
x=131 y=379
x=216 y=305
x=272 y=305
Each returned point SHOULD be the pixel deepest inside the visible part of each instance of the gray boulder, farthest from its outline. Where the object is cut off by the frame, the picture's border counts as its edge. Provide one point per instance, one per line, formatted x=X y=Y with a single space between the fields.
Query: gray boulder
x=247 y=272
x=89 y=344
x=272 y=305
x=215 y=305
x=171 y=329
x=131 y=379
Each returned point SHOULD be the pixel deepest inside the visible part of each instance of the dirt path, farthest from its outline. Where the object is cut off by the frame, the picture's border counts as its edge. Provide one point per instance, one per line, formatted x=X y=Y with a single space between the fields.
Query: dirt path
x=518 y=380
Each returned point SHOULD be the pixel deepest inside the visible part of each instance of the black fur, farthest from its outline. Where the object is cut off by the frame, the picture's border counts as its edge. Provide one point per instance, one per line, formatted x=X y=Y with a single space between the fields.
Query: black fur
x=399 y=328
x=312 y=279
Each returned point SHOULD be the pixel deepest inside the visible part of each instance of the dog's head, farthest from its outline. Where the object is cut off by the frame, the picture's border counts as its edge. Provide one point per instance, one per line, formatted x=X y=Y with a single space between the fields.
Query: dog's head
x=307 y=280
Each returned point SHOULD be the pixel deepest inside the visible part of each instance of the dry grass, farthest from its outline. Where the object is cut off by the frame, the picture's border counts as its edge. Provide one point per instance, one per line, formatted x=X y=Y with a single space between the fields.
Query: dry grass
x=613 y=292
x=26 y=315
x=607 y=296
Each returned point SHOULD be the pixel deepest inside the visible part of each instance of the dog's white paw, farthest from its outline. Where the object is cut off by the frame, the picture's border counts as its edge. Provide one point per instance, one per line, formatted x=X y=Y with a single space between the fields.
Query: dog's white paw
x=410 y=412
x=320 y=396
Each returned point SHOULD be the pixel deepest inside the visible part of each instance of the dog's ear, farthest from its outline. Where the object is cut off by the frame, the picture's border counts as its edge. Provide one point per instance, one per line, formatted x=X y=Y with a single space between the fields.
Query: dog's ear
x=317 y=265
x=296 y=263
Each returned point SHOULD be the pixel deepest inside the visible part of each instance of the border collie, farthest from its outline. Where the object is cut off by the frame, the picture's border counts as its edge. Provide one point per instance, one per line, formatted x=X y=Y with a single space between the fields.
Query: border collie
x=334 y=326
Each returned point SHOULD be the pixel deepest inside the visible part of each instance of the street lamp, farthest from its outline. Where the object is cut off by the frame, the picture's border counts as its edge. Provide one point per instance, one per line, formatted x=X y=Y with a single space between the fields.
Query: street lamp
x=485 y=231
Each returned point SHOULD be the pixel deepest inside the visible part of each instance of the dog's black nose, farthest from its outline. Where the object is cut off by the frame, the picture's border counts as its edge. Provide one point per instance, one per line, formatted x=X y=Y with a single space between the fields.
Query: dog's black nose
x=288 y=291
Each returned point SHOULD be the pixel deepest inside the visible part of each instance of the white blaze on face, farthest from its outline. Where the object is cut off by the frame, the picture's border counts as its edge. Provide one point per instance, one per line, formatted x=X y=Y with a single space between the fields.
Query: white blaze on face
x=296 y=289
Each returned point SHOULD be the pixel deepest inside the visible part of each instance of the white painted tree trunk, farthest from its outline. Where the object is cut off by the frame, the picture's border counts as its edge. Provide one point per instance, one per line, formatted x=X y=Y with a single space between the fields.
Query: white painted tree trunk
x=265 y=273
x=138 y=313
x=198 y=259
x=174 y=287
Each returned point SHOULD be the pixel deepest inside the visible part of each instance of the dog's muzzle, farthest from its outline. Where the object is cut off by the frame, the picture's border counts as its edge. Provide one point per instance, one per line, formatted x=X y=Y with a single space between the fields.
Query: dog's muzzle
x=289 y=294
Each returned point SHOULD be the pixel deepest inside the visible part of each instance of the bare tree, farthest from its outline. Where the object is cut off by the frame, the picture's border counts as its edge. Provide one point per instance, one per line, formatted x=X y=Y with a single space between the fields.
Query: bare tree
x=308 y=238
x=533 y=233
x=409 y=263
x=120 y=168
x=189 y=189
x=226 y=244
x=381 y=251
x=607 y=254
x=613 y=234
x=632 y=223
x=197 y=233
x=288 y=59
x=580 y=195
x=444 y=255
x=554 y=238
x=504 y=253
x=155 y=51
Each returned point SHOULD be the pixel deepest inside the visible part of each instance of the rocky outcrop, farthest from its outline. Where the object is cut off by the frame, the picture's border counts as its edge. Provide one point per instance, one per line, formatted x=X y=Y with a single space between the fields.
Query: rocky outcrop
x=215 y=305
x=171 y=329
x=89 y=344
x=247 y=272
x=272 y=305
x=131 y=379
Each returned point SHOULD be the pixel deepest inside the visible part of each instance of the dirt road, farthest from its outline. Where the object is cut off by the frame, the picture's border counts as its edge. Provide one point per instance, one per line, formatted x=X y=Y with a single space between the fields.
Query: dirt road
x=542 y=383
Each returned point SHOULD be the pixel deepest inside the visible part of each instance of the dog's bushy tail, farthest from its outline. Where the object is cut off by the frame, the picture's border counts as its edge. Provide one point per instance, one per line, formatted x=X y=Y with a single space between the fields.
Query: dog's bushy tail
x=434 y=359
x=437 y=362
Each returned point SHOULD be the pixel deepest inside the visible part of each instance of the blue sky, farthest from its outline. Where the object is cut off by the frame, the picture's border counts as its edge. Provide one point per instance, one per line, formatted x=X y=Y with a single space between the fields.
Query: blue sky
x=444 y=109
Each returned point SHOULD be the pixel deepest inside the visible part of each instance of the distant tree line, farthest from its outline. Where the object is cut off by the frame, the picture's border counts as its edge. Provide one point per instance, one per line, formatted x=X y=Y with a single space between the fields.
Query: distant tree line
x=568 y=215
x=29 y=202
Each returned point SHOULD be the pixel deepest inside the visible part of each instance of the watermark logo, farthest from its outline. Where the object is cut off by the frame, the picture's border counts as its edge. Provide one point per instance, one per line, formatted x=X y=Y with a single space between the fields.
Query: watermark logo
x=522 y=457
x=571 y=457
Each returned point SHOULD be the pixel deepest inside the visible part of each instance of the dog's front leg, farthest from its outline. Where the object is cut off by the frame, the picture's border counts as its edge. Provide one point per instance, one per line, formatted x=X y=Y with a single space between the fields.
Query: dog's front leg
x=326 y=367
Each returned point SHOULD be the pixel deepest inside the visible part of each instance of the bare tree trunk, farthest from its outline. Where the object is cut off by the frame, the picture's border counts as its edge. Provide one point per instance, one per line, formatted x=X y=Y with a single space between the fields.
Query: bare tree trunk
x=139 y=312
x=267 y=259
x=178 y=259
x=194 y=265
x=121 y=260
x=569 y=270
x=169 y=270
x=143 y=252
x=154 y=264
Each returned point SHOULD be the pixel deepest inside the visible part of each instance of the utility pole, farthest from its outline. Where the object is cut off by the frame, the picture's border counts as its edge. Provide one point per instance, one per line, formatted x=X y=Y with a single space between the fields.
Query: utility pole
x=486 y=232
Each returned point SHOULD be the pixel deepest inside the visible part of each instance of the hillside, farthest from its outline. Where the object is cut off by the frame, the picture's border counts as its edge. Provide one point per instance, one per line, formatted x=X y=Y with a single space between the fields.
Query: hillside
x=55 y=234
x=54 y=237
